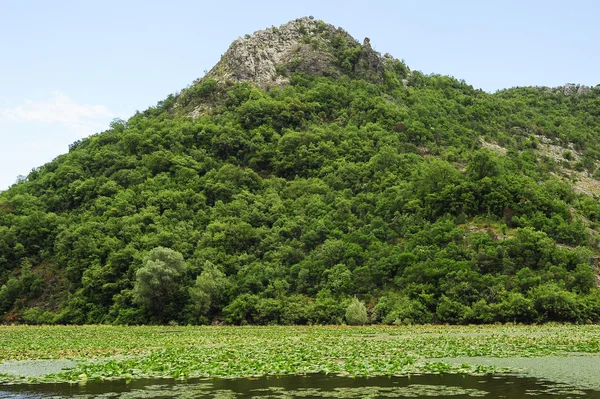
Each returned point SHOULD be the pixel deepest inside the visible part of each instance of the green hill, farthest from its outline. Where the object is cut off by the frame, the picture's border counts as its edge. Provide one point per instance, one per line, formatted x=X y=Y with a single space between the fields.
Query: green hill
x=305 y=170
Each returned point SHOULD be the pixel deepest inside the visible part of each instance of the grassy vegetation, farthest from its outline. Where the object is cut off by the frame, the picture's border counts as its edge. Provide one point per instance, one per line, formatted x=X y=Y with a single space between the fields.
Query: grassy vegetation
x=186 y=352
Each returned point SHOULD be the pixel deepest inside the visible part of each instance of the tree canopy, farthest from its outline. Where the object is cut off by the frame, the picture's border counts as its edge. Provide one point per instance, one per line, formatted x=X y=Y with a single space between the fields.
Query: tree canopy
x=427 y=200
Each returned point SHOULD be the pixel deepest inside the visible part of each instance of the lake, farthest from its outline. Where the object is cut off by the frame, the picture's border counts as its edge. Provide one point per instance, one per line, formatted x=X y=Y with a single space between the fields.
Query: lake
x=310 y=386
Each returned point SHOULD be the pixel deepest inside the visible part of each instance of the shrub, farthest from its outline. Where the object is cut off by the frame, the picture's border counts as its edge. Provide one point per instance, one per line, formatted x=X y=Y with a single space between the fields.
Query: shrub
x=242 y=310
x=39 y=316
x=356 y=313
x=296 y=310
x=590 y=307
x=9 y=293
x=555 y=304
x=327 y=309
x=450 y=311
x=268 y=311
x=482 y=312
x=129 y=316
x=401 y=310
x=517 y=308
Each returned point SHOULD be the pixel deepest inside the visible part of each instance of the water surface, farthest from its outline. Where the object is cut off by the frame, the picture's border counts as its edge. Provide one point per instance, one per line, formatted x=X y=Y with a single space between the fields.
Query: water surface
x=311 y=386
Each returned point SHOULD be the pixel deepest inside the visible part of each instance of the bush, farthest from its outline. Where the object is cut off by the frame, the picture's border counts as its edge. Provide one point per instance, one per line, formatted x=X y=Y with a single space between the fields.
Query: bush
x=555 y=304
x=129 y=316
x=268 y=311
x=590 y=307
x=401 y=310
x=242 y=310
x=356 y=313
x=39 y=316
x=517 y=308
x=9 y=293
x=296 y=310
x=450 y=311
x=482 y=312
x=327 y=309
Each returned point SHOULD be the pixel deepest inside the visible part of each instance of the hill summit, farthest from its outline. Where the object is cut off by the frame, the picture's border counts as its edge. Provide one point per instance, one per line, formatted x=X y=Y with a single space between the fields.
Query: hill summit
x=305 y=45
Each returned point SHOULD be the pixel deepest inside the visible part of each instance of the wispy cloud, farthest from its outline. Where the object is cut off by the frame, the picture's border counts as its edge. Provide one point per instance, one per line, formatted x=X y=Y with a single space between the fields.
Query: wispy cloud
x=80 y=119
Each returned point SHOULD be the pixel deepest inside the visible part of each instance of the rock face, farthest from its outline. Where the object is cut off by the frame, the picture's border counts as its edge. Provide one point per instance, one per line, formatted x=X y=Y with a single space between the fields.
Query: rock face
x=574 y=89
x=571 y=89
x=370 y=64
x=302 y=45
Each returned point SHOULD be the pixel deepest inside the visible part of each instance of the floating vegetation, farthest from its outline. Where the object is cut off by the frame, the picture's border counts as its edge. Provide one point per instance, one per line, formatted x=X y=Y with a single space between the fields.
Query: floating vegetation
x=133 y=353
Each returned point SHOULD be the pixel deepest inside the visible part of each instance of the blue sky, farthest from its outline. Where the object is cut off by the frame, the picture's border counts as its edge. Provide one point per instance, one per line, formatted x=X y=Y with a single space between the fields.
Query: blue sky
x=69 y=67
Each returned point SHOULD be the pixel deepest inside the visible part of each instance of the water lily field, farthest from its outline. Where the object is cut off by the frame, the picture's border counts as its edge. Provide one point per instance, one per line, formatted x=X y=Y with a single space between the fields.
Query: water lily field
x=563 y=353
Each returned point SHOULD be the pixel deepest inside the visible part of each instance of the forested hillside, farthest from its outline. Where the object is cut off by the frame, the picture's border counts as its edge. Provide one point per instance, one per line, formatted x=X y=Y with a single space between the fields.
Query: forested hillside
x=239 y=202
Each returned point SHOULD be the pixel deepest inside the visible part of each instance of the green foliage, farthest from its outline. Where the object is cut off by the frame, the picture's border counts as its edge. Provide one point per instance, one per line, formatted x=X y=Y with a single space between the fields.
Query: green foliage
x=9 y=293
x=242 y=310
x=27 y=285
x=451 y=311
x=327 y=309
x=483 y=163
x=209 y=290
x=356 y=313
x=39 y=316
x=401 y=311
x=111 y=352
x=279 y=205
x=158 y=283
x=518 y=308
x=555 y=304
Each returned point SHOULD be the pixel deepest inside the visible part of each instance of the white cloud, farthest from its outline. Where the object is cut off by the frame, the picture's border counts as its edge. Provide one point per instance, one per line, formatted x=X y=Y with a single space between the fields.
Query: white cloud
x=80 y=119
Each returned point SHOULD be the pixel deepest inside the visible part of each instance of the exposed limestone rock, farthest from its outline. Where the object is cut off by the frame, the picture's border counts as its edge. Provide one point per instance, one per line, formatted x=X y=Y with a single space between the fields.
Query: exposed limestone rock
x=302 y=45
x=570 y=89
x=584 y=184
x=581 y=181
x=492 y=146
x=573 y=89
x=370 y=63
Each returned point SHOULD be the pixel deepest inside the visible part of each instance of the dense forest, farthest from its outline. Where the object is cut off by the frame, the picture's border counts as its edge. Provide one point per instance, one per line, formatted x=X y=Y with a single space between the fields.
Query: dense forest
x=329 y=199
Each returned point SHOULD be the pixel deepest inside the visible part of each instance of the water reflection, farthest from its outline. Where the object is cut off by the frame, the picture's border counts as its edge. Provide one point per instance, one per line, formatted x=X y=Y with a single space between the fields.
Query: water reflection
x=312 y=386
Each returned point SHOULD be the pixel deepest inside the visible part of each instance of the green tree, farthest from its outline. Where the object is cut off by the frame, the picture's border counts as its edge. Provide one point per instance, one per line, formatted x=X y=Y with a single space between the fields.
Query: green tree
x=356 y=313
x=484 y=163
x=158 y=283
x=208 y=292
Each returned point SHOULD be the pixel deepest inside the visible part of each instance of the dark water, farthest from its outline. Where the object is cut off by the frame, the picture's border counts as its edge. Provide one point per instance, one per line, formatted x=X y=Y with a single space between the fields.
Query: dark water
x=312 y=386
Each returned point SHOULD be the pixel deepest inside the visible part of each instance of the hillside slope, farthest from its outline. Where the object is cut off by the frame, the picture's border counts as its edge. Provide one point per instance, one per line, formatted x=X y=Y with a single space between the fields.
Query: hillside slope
x=306 y=169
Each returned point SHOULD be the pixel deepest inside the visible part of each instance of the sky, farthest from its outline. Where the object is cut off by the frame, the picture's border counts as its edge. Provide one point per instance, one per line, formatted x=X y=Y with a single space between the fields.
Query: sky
x=67 y=68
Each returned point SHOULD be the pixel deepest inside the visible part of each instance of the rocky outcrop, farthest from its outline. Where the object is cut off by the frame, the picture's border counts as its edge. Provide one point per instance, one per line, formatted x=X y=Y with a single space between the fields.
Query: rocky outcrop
x=370 y=64
x=574 y=89
x=268 y=56
x=570 y=89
